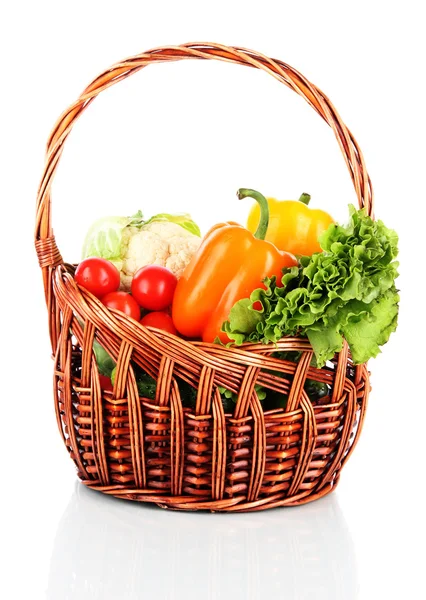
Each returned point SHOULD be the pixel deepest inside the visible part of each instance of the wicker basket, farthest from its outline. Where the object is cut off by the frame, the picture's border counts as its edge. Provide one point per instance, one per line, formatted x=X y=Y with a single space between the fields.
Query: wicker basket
x=159 y=451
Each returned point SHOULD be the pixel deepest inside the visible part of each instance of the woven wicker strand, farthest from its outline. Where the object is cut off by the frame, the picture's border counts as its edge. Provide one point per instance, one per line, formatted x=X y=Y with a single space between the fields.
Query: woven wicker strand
x=160 y=451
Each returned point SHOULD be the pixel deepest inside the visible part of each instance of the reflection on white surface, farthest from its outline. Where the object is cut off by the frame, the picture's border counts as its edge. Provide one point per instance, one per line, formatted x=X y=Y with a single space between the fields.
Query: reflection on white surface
x=115 y=549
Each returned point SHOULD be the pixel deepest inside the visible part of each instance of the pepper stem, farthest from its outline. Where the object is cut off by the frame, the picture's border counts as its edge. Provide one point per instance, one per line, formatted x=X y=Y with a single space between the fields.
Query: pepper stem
x=305 y=198
x=262 y=228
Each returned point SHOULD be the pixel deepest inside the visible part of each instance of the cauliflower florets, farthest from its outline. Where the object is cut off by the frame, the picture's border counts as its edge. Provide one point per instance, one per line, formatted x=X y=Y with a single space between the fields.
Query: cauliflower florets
x=157 y=243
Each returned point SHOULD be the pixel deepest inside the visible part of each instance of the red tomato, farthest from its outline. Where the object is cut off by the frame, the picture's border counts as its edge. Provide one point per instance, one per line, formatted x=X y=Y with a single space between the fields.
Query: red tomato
x=160 y=320
x=153 y=287
x=105 y=383
x=98 y=276
x=124 y=302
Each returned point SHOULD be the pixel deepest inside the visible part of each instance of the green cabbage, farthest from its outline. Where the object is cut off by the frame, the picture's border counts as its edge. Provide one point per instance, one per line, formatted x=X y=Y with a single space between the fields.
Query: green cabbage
x=106 y=238
x=347 y=291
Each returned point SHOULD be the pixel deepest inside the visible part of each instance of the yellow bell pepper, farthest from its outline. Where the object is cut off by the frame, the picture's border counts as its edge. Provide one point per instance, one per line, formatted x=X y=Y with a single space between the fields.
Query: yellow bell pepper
x=293 y=226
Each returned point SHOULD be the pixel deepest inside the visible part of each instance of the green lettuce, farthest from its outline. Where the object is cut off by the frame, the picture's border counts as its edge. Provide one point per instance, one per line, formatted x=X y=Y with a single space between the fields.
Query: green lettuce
x=347 y=291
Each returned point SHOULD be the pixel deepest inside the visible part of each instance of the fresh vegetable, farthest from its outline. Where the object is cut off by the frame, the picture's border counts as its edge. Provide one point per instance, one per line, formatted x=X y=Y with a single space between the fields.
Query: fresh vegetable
x=124 y=302
x=160 y=320
x=103 y=359
x=147 y=387
x=98 y=276
x=293 y=226
x=348 y=290
x=105 y=366
x=153 y=287
x=273 y=399
x=228 y=266
x=188 y=394
x=260 y=391
x=105 y=383
x=131 y=243
x=316 y=389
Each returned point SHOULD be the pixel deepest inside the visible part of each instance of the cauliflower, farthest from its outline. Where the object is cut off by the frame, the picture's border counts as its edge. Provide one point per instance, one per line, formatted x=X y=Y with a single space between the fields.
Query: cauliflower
x=157 y=243
x=131 y=243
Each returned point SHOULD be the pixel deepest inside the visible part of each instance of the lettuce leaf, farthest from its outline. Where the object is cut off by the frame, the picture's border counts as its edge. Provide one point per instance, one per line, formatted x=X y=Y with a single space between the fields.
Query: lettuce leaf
x=347 y=291
x=366 y=336
x=243 y=319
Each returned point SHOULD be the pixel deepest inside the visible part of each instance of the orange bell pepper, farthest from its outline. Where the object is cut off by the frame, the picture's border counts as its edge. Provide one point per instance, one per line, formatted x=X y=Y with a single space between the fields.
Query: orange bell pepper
x=230 y=263
x=293 y=226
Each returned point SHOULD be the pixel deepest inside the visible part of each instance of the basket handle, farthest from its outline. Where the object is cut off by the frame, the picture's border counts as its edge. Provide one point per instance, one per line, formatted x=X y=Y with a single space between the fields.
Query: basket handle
x=47 y=250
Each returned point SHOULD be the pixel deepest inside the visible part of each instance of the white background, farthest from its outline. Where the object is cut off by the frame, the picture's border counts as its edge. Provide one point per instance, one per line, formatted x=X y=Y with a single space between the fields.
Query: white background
x=184 y=137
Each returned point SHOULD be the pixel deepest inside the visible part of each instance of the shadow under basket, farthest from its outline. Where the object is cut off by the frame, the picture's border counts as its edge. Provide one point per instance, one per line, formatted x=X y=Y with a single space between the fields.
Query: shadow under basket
x=196 y=457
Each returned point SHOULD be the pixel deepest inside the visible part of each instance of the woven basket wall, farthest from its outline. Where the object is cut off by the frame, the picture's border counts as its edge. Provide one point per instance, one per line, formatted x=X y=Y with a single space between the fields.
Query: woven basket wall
x=157 y=450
